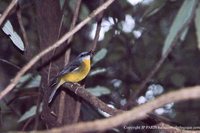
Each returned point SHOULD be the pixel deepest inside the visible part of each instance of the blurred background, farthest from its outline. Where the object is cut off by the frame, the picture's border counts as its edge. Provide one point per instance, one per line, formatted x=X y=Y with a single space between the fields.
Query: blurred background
x=131 y=43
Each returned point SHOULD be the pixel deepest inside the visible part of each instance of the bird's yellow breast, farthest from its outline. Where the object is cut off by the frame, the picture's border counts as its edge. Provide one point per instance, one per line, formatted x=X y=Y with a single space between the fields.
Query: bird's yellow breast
x=79 y=74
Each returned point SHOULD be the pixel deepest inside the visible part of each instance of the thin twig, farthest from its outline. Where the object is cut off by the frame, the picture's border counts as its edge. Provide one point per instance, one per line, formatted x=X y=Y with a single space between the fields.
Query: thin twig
x=62 y=18
x=96 y=38
x=12 y=108
x=25 y=38
x=75 y=17
x=10 y=63
x=7 y=11
x=136 y=113
x=27 y=123
x=51 y=47
x=39 y=99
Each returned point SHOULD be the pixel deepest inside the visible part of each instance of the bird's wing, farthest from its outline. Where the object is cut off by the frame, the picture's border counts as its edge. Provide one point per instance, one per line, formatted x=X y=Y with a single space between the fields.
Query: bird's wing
x=55 y=84
x=69 y=68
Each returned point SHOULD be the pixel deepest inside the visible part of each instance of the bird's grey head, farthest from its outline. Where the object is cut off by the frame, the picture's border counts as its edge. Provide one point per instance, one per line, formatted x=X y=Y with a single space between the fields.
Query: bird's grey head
x=85 y=55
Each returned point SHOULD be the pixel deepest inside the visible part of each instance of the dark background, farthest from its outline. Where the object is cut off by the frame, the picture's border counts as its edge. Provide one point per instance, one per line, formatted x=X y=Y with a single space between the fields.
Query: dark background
x=128 y=60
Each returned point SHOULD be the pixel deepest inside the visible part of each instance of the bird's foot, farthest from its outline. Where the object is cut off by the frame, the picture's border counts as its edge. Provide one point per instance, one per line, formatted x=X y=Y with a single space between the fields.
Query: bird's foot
x=76 y=90
x=77 y=84
x=74 y=84
x=77 y=87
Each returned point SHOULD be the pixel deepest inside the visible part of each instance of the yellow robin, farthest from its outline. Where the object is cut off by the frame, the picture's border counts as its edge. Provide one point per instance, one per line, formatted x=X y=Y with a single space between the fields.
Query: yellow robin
x=74 y=72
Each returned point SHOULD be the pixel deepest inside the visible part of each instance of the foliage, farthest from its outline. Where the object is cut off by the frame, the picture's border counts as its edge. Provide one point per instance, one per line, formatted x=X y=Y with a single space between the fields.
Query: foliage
x=134 y=38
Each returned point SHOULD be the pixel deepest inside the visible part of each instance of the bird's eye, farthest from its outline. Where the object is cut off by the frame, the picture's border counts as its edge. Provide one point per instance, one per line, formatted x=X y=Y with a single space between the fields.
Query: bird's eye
x=81 y=55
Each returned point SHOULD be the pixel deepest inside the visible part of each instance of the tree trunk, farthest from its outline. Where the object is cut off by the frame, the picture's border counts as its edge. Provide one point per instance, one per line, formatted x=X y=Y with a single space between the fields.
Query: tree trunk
x=48 y=21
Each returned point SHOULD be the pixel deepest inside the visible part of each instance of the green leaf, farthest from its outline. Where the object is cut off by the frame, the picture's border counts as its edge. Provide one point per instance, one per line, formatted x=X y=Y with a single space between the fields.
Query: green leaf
x=183 y=15
x=29 y=81
x=61 y=3
x=97 y=71
x=154 y=7
x=184 y=33
x=178 y=79
x=84 y=12
x=30 y=113
x=72 y=4
x=197 y=22
x=99 y=55
x=99 y=91
x=15 y=38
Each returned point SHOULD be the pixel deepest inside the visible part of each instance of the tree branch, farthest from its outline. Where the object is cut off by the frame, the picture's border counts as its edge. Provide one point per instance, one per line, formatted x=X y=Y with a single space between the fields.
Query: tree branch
x=7 y=11
x=136 y=113
x=55 y=45
x=93 y=100
x=9 y=63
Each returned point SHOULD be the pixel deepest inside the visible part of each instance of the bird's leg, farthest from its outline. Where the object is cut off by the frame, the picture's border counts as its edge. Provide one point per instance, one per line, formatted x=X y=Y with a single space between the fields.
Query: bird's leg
x=77 y=87
x=76 y=90
x=71 y=84
x=77 y=84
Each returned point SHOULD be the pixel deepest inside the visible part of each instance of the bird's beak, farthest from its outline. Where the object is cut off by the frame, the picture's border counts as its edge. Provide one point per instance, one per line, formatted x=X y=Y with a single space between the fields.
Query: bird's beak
x=91 y=52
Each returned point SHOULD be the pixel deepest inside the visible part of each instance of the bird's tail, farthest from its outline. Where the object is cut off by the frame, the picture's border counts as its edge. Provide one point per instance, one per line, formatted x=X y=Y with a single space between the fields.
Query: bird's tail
x=55 y=88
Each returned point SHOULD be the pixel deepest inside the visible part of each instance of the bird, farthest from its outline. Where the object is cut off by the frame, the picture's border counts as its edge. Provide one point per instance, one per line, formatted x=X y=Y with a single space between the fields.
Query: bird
x=74 y=72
